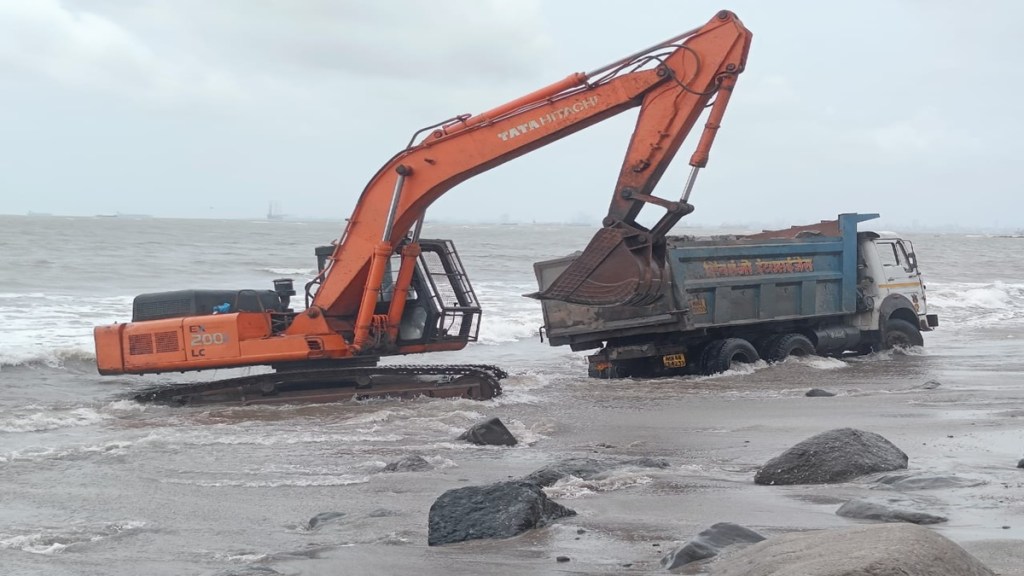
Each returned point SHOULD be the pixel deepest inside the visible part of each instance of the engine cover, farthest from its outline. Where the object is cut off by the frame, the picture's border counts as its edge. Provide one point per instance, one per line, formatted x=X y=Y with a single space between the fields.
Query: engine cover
x=179 y=303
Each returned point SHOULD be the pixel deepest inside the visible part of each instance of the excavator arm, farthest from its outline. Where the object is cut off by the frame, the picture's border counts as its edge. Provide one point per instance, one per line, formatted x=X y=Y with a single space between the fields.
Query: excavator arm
x=356 y=306
x=671 y=83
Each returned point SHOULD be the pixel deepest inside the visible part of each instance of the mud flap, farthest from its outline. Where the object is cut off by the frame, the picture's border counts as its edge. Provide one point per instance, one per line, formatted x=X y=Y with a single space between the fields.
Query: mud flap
x=617 y=268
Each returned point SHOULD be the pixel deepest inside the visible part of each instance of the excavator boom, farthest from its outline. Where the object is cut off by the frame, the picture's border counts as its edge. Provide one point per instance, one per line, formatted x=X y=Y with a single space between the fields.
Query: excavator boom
x=383 y=290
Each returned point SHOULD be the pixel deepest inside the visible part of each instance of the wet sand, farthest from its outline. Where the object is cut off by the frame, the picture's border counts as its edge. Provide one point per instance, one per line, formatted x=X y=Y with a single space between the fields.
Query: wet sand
x=716 y=433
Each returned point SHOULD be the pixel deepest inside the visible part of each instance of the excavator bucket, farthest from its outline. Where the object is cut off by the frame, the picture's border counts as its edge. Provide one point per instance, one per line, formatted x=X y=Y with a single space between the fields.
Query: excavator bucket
x=618 y=268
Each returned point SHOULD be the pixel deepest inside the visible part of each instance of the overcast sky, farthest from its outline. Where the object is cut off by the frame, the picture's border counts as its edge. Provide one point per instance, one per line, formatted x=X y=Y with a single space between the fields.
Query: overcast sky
x=201 y=108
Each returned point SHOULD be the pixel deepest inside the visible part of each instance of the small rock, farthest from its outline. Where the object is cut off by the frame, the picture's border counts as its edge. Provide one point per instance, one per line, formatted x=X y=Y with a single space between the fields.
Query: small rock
x=871 y=511
x=562 y=559
x=834 y=456
x=1021 y=463
x=818 y=392
x=930 y=385
x=411 y=463
x=499 y=510
x=1006 y=527
x=323 y=518
x=709 y=543
x=655 y=545
x=490 y=432
x=581 y=531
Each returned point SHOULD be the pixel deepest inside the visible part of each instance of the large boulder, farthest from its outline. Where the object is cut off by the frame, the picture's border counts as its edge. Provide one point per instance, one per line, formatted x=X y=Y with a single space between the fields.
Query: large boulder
x=587 y=469
x=834 y=456
x=499 y=510
x=872 y=550
x=864 y=510
x=709 y=543
x=491 y=432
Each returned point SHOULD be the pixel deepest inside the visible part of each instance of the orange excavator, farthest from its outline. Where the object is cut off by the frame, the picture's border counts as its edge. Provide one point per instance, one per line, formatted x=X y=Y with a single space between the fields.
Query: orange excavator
x=382 y=290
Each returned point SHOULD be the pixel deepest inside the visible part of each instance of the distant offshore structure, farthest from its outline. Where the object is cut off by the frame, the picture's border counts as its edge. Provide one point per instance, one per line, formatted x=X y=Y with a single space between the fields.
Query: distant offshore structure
x=274 y=212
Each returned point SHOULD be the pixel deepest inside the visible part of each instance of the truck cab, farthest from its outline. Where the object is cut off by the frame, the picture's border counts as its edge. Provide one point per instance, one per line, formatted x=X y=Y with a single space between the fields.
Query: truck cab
x=890 y=287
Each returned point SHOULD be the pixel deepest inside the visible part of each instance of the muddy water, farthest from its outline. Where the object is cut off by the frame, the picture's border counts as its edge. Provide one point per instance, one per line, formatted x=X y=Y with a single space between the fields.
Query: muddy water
x=91 y=483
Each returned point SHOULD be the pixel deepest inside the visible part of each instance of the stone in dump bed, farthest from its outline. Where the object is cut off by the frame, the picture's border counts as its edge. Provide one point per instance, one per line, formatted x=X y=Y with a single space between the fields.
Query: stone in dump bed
x=586 y=469
x=866 y=510
x=500 y=510
x=709 y=543
x=834 y=456
x=490 y=432
x=872 y=550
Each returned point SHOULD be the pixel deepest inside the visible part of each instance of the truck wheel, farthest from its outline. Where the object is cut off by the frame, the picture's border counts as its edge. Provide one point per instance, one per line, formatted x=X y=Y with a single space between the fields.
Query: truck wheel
x=721 y=357
x=901 y=334
x=790 y=345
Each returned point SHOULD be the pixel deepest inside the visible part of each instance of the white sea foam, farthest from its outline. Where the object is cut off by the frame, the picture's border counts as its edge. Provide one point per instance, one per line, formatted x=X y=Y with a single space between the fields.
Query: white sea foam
x=572 y=487
x=305 y=481
x=48 y=541
x=51 y=329
x=305 y=272
x=973 y=304
x=39 y=420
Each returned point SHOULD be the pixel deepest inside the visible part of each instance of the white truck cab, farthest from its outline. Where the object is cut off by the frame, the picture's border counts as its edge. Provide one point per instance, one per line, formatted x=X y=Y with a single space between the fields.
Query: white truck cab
x=890 y=290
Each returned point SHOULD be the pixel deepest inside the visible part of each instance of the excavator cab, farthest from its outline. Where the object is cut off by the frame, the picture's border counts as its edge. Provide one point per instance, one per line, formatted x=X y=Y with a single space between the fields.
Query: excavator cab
x=441 y=306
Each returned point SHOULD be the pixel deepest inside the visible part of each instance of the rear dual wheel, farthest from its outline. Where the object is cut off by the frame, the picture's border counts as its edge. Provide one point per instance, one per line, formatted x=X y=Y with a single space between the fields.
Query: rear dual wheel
x=720 y=355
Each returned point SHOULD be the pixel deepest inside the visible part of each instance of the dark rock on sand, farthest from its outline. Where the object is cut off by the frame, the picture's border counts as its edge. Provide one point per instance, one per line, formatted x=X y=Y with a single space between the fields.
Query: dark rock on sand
x=323 y=518
x=709 y=543
x=411 y=463
x=875 y=550
x=586 y=469
x=865 y=510
x=562 y=559
x=925 y=482
x=499 y=510
x=834 y=456
x=819 y=393
x=1021 y=463
x=489 y=432
x=930 y=385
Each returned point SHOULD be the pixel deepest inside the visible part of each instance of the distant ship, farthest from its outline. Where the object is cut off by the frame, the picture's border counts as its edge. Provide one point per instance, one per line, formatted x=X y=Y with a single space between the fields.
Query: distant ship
x=273 y=213
x=123 y=215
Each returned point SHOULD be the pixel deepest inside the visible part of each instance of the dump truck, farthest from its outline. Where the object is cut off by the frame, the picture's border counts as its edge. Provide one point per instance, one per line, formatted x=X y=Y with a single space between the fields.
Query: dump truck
x=825 y=289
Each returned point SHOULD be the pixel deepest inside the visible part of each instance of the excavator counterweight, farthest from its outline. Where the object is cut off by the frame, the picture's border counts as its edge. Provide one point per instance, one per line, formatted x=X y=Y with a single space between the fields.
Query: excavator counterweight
x=382 y=290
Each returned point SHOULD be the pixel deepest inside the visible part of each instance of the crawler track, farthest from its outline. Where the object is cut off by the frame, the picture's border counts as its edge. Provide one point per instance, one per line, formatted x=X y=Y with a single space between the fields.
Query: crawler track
x=478 y=382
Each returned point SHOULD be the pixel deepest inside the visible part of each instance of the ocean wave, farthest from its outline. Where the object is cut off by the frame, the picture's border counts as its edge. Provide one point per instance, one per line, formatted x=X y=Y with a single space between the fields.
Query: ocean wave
x=572 y=487
x=343 y=480
x=309 y=272
x=38 y=421
x=49 y=541
x=46 y=357
x=976 y=303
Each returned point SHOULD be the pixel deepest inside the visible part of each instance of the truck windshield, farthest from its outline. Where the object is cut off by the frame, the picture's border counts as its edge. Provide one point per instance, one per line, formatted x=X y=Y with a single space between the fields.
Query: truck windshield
x=893 y=254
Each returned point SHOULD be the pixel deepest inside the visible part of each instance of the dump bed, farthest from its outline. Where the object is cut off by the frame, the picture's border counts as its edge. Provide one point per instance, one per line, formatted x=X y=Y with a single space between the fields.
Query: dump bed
x=778 y=275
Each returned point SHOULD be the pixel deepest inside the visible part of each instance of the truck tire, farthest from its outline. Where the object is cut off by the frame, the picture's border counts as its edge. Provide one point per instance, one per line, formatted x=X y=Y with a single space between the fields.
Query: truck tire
x=719 y=356
x=790 y=345
x=900 y=333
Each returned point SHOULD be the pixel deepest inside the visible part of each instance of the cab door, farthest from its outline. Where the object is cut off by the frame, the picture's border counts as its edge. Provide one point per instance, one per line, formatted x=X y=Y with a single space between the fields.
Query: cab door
x=900 y=274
